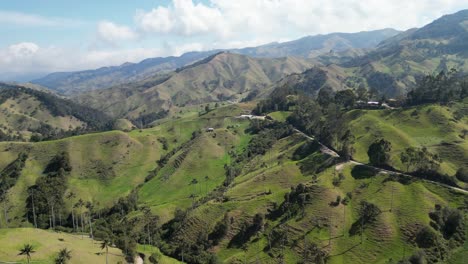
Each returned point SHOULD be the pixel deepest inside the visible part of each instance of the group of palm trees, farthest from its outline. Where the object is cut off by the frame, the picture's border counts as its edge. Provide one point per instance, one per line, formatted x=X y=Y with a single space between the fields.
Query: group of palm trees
x=63 y=256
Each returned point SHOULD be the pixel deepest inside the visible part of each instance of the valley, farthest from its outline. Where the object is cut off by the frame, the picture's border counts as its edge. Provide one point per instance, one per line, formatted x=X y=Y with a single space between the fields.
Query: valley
x=332 y=148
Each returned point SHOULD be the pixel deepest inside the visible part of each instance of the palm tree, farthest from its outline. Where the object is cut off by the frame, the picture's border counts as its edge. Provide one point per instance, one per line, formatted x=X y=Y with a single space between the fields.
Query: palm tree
x=63 y=256
x=105 y=245
x=27 y=250
x=70 y=196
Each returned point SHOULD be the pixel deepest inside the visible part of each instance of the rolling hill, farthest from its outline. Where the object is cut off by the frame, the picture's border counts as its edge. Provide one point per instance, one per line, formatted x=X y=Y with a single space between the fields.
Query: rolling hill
x=220 y=77
x=183 y=177
x=25 y=112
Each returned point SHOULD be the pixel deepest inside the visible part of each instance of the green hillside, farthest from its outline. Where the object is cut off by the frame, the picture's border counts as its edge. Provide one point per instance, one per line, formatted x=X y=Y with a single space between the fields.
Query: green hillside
x=438 y=128
x=180 y=172
x=48 y=243
x=26 y=112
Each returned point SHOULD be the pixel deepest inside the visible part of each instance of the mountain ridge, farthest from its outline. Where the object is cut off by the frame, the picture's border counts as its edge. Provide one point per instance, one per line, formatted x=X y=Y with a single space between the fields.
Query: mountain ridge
x=220 y=77
x=306 y=47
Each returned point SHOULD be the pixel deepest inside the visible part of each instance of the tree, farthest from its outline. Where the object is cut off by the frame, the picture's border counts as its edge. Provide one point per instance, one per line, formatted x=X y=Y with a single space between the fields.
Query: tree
x=70 y=196
x=345 y=98
x=420 y=159
x=407 y=157
x=379 y=152
x=462 y=175
x=155 y=258
x=325 y=96
x=361 y=93
x=64 y=255
x=105 y=244
x=27 y=250
x=347 y=149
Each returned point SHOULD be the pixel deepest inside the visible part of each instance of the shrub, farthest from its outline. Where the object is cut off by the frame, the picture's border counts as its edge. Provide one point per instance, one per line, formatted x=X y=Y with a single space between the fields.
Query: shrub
x=155 y=258
x=462 y=174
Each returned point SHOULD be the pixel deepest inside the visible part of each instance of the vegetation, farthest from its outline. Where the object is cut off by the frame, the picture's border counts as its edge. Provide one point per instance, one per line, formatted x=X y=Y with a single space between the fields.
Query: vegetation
x=247 y=191
x=27 y=250
x=63 y=256
x=379 y=153
x=441 y=88
x=36 y=115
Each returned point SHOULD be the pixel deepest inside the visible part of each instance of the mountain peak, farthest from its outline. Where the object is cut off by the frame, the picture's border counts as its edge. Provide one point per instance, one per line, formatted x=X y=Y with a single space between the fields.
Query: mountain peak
x=448 y=26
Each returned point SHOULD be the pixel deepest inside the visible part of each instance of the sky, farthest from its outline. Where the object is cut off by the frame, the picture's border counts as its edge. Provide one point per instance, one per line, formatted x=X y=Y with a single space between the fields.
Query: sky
x=39 y=37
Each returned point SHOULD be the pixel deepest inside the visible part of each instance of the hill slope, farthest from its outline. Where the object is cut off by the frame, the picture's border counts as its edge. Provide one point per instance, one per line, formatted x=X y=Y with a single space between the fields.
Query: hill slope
x=24 y=111
x=193 y=172
x=397 y=62
x=307 y=47
x=221 y=77
x=75 y=82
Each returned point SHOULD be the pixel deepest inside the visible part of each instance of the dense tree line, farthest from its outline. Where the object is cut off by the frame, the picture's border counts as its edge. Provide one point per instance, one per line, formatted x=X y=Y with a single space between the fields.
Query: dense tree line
x=46 y=198
x=447 y=230
x=8 y=178
x=294 y=203
x=10 y=174
x=145 y=119
x=94 y=119
x=443 y=87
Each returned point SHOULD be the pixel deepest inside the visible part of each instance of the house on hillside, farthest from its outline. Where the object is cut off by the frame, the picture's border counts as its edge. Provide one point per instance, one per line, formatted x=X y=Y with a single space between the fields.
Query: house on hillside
x=368 y=104
x=252 y=117
x=373 y=104
x=210 y=129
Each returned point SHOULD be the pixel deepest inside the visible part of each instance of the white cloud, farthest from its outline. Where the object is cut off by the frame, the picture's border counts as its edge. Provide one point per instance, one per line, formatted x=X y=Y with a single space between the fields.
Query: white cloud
x=249 y=20
x=23 y=49
x=27 y=57
x=111 y=32
x=182 y=17
x=25 y=19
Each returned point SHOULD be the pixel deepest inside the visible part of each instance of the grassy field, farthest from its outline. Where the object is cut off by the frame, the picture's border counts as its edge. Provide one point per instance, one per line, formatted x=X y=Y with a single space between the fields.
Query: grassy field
x=198 y=167
x=47 y=244
x=109 y=165
x=438 y=128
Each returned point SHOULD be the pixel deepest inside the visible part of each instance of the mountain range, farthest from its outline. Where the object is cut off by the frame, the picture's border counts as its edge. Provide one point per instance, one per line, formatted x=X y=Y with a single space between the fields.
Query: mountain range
x=220 y=77
x=307 y=47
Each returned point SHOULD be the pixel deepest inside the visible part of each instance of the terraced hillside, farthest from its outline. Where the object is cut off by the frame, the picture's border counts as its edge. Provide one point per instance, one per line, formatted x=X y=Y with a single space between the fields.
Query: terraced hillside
x=251 y=191
x=440 y=129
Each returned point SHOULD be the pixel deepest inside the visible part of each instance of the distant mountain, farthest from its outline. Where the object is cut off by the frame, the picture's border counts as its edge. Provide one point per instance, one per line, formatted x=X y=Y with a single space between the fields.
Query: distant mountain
x=25 y=112
x=396 y=63
x=220 y=77
x=307 y=47
x=75 y=82
x=313 y=46
x=394 y=66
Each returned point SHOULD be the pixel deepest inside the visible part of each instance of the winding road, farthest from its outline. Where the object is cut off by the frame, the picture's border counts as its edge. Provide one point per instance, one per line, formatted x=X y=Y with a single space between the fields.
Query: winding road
x=326 y=150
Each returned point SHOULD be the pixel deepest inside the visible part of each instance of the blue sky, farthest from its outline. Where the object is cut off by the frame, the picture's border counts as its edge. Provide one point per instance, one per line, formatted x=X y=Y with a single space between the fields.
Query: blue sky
x=51 y=35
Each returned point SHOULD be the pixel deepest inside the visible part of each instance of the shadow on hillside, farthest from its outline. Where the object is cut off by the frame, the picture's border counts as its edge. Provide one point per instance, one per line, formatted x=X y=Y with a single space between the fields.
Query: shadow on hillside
x=363 y=172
